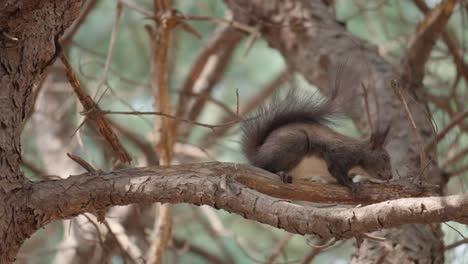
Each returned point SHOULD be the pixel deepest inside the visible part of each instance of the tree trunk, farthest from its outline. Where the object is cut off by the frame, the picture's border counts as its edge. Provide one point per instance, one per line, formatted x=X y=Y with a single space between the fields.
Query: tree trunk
x=29 y=29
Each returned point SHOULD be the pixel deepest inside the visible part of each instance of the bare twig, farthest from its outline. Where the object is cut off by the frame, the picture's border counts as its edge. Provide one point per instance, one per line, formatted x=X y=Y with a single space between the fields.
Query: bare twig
x=249 y=106
x=124 y=251
x=231 y=23
x=98 y=231
x=212 y=70
x=89 y=6
x=313 y=253
x=279 y=248
x=366 y=102
x=375 y=238
x=221 y=37
x=215 y=101
x=106 y=112
x=458 y=171
x=422 y=152
x=456 y=244
x=325 y=245
x=150 y=153
x=458 y=118
x=92 y=108
x=215 y=229
x=455 y=158
x=137 y=8
x=179 y=243
x=110 y=50
x=81 y=162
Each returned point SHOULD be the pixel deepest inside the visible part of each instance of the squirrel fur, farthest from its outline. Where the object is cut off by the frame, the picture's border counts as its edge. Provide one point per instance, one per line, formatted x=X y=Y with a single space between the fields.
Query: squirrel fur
x=292 y=137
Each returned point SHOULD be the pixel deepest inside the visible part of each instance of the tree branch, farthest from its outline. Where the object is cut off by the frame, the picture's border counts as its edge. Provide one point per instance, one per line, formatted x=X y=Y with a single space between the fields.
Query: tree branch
x=421 y=44
x=208 y=183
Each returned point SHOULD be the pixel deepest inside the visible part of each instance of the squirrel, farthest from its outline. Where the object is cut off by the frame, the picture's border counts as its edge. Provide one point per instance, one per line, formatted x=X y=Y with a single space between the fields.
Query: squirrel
x=292 y=137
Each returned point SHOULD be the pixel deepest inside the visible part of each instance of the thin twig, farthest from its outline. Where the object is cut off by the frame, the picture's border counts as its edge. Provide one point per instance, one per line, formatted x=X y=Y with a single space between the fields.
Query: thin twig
x=375 y=238
x=81 y=162
x=366 y=103
x=458 y=171
x=216 y=102
x=325 y=245
x=149 y=152
x=208 y=256
x=265 y=92
x=106 y=112
x=455 y=158
x=110 y=50
x=98 y=232
x=125 y=253
x=456 y=244
x=458 y=118
x=279 y=248
x=313 y=253
x=89 y=6
x=422 y=152
x=232 y=23
x=92 y=111
x=454 y=229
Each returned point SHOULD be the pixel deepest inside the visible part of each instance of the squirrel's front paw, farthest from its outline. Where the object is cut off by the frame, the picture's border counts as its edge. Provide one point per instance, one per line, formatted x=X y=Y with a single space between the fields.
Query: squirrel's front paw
x=285 y=177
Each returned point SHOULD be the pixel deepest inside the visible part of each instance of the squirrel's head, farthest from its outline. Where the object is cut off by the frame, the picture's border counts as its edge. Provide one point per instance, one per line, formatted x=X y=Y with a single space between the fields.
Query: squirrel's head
x=377 y=162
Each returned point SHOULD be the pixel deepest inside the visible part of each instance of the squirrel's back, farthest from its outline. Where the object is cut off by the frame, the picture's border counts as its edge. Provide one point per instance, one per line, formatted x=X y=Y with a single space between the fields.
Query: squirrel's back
x=295 y=108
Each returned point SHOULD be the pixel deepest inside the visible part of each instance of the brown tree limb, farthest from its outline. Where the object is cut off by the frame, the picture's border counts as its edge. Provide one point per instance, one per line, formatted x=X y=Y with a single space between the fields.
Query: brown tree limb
x=34 y=29
x=206 y=72
x=98 y=120
x=422 y=42
x=210 y=184
x=451 y=43
x=159 y=42
x=458 y=118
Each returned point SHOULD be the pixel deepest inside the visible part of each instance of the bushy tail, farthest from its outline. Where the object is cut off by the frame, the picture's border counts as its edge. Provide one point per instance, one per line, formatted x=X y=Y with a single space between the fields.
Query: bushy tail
x=296 y=107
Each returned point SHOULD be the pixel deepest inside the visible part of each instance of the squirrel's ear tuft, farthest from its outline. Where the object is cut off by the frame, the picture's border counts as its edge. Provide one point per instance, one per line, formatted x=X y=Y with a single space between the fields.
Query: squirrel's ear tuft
x=378 y=137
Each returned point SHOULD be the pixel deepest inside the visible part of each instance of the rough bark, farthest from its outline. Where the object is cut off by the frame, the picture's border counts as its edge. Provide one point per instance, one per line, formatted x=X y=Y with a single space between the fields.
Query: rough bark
x=33 y=26
x=208 y=183
x=313 y=43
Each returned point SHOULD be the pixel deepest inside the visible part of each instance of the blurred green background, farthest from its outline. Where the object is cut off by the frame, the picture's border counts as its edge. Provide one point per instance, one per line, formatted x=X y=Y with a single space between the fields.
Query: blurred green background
x=387 y=24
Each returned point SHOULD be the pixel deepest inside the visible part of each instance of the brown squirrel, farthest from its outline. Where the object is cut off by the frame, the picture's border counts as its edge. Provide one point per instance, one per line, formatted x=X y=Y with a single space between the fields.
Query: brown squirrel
x=292 y=138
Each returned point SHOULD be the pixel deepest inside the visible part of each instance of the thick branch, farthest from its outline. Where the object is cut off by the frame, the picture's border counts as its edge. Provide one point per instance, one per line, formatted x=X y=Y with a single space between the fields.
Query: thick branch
x=451 y=43
x=421 y=44
x=195 y=184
